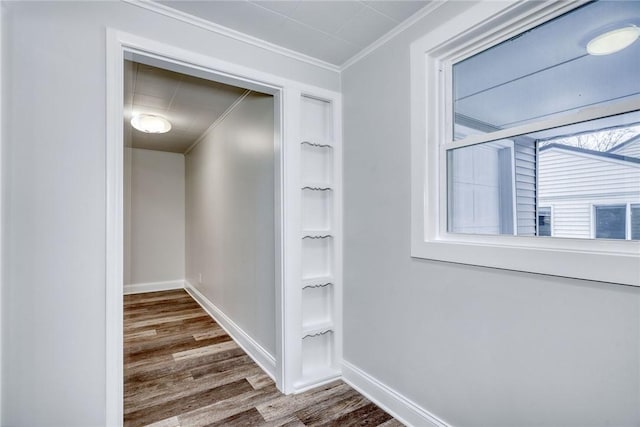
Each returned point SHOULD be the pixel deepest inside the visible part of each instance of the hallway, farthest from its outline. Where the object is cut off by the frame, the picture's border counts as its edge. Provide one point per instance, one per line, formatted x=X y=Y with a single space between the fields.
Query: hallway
x=182 y=369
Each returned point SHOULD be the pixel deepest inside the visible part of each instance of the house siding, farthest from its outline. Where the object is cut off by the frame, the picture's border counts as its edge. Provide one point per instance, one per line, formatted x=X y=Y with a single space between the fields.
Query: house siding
x=525 y=182
x=572 y=183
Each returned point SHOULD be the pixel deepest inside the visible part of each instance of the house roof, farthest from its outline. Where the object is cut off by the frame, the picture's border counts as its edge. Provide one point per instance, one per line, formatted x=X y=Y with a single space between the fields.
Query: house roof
x=602 y=154
x=630 y=141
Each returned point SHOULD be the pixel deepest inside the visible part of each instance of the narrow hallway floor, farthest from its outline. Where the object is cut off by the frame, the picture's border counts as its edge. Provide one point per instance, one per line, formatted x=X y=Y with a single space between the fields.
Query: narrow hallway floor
x=182 y=369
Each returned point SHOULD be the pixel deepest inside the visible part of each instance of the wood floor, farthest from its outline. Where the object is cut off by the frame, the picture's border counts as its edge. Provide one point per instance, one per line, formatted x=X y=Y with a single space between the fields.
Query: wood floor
x=182 y=369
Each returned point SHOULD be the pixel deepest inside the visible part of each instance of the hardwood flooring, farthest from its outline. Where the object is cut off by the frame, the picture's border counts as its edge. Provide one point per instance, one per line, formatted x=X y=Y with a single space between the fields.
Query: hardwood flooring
x=182 y=369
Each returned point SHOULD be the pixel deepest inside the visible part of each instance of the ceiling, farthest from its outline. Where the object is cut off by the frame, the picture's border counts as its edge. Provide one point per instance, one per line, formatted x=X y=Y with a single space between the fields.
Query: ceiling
x=332 y=31
x=191 y=105
x=549 y=69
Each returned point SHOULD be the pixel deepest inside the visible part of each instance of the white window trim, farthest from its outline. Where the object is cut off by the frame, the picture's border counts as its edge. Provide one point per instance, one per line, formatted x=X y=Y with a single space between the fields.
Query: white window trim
x=483 y=25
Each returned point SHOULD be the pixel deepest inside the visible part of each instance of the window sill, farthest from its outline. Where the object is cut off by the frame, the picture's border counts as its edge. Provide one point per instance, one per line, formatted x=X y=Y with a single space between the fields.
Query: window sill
x=603 y=266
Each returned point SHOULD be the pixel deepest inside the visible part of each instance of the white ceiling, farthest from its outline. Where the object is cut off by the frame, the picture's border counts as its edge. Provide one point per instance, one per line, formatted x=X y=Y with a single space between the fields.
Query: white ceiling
x=191 y=104
x=332 y=31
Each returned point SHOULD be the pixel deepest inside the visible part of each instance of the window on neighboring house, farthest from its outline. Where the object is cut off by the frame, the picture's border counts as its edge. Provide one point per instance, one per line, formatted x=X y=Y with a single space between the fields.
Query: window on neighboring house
x=544 y=221
x=635 y=222
x=610 y=221
x=518 y=116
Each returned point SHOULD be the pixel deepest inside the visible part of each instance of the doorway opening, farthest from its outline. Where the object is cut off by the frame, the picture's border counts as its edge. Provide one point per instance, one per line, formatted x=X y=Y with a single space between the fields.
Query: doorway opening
x=229 y=178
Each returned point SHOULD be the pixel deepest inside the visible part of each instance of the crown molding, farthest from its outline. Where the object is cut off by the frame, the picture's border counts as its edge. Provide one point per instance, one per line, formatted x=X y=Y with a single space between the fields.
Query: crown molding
x=255 y=41
x=428 y=9
x=228 y=32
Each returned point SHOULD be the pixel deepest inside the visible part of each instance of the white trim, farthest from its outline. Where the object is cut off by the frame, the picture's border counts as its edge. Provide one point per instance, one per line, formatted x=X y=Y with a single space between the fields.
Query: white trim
x=479 y=26
x=400 y=407
x=291 y=297
x=327 y=376
x=2 y=17
x=114 y=275
x=259 y=354
x=565 y=119
x=140 y=288
x=233 y=34
x=217 y=121
x=280 y=248
x=425 y=11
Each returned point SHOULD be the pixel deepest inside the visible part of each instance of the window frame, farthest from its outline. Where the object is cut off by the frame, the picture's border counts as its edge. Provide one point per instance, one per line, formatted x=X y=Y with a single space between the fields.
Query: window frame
x=479 y=27
x=628 y=205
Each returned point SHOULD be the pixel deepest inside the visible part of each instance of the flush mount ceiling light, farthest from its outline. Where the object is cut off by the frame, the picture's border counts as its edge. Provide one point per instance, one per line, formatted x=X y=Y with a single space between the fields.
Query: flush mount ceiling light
x=149 y=123
x=613 y=41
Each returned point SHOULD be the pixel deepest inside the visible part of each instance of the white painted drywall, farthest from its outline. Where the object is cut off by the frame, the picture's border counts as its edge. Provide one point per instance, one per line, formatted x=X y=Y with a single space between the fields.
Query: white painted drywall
x=53 y=360
x=157 y=221
x=474 y=346
x=230 y=218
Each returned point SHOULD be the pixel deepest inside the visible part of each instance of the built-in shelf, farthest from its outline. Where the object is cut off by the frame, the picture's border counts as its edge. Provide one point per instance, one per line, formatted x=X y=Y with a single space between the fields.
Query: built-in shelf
x=317 y=186
x=317 y=282
x=317 y=353
x=315 y=329
x=316 y=234
x=316 y=255
x=320 y=303
x=316 y=144
x=317 y=309
x=316 y=163
x=317 y=209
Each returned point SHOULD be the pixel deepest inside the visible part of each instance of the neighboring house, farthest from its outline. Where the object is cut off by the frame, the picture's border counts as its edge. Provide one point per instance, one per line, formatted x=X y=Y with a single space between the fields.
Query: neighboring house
x=589 y=194
x=629 y=148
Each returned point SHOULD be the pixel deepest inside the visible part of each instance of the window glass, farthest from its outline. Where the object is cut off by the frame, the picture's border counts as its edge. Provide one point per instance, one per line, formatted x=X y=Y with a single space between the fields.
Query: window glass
x=546 y=71
x=635 y=222
x=481 y=188
x=610 y=222
x=544 y=222
x=497 y=187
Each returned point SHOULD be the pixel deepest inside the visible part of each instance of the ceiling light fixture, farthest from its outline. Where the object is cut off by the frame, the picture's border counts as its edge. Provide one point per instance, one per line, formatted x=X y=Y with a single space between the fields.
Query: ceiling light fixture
x=613 y=41
x=150 y=123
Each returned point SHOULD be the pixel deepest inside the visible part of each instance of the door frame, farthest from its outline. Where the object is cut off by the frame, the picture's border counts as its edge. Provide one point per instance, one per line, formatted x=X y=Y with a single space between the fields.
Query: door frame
x=119 y=45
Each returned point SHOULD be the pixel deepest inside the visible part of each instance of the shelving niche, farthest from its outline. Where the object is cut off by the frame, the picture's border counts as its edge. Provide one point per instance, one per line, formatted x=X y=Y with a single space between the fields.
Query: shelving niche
x=320 y=328
x=317 y=208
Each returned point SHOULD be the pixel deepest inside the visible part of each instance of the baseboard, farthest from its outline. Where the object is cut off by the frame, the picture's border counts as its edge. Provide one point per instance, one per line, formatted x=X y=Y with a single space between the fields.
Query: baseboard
x=259 y=355
x=403 y=409
x=140 y=288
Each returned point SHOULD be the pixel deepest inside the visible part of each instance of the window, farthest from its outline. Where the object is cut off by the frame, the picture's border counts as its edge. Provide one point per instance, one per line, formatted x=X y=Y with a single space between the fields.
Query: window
x=506 y=130
x=635 y=222
x=544 y=221
x=610 y=222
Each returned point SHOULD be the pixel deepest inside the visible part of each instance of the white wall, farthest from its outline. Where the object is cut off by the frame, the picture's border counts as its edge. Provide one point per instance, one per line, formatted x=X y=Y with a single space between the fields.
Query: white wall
x=54 y=159
x=474 y=346
x=230 y=218
x=157 y=221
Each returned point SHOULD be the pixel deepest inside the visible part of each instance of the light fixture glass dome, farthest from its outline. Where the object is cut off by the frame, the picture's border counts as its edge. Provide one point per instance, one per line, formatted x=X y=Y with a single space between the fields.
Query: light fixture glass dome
x=150 y=123
x=613 y=41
